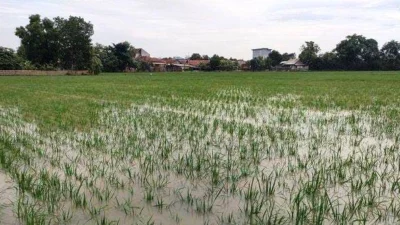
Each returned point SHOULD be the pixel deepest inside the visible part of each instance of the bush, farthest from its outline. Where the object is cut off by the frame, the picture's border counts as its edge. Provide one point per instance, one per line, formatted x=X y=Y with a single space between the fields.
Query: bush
x=27 y=65
x=95 y=65
x=48 y=67
x=9 y=60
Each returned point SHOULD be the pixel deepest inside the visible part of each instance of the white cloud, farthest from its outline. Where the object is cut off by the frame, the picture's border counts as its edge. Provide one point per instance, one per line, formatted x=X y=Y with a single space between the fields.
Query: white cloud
x=225 y=27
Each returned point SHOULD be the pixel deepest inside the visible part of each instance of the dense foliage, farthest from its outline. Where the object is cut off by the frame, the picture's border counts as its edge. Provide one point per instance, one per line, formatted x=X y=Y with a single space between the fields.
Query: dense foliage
x=40 y=42
x=275 y=57
x=197 y=56
x=95 y=64
x=59 y=43
x=356 y=52
x=75 y=42
x=116 y=57
x=309 y=53
x=260 y=64
x=9 y=60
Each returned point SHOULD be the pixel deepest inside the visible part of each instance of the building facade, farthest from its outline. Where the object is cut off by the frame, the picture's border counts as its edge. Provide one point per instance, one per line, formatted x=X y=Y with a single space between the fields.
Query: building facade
x=292 y=65
x=140 y=52
x=261 y=52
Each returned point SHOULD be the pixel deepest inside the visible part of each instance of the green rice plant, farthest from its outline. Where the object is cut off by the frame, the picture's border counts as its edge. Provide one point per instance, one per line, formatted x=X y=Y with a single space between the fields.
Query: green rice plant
x=270 y=215
x=105 y=221
x=236 y=153
x=29 y=212
x=299 y=211
x=206 y=203
x=80 y=201
x=254 y=200
x=268 y=183
x=160 y=203
x=66 y=216
x=69 y=169
x=149 y=194
x=94 y=211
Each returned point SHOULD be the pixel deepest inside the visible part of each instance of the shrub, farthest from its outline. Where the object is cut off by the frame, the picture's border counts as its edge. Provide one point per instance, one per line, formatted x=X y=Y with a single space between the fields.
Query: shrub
x=95 y=65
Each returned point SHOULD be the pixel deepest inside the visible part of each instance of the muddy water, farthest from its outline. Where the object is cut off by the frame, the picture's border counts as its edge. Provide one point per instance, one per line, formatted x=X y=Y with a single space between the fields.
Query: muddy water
x=7 y=198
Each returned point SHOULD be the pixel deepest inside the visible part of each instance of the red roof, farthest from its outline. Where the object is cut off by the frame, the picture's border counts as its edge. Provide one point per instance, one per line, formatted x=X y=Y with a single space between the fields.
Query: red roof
x=197 y=62
x=171 y=61
x=152 y=60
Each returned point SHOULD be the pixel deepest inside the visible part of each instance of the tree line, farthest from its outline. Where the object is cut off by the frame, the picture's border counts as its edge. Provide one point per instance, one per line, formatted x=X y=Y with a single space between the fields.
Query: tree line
x=49 y=44
x=58 y=43
x=219 y=63
x=356 y=52
x=66 y=44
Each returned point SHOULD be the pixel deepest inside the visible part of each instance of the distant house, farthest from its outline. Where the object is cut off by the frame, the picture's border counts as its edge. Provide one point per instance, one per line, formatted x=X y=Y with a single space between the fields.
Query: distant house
x=185 y=64
x=182 y=61
x=242 y=65
x=156 y=64
x=241 y=62
x=170 y=61
x=140 y=52
x=175 y=67
x=261 y=52
x=292 y=64
x=179 y=67
x=197 y=63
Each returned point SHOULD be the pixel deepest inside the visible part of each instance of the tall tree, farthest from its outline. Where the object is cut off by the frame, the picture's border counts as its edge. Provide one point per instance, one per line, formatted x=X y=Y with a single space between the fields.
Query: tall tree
x=309 y=53
x=358 y=53
x=123 y=52
x=215 y=62
x=75 y=42
x=108 y=58
x=117 y=57
x=195 y=56
x=205 y=57
x=327 y=61
x=260 y=64
x=276 y=58
x=391 y=55
x=64 y=43
x=39 y=41
x=287 y=56
x=256 y=64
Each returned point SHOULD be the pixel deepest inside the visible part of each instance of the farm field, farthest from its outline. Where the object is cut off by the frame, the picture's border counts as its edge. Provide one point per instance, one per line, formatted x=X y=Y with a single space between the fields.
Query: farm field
x=201 y=148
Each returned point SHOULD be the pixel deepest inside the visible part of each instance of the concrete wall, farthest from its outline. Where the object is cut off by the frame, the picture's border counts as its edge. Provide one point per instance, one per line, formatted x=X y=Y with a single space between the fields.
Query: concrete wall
x=261 y=52
x=41 y=72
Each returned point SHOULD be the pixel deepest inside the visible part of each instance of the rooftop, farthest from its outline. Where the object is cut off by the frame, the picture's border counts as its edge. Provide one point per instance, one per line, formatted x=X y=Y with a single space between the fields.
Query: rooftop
x=292 y=62
x=262 y=49
x=197 y=62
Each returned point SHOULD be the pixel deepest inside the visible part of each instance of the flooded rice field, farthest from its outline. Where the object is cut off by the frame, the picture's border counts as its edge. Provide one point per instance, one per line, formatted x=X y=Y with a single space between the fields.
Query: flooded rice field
x=234 y=158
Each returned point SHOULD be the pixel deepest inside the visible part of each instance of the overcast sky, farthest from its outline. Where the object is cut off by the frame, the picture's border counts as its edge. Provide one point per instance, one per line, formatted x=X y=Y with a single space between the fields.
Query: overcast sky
x=226 y=27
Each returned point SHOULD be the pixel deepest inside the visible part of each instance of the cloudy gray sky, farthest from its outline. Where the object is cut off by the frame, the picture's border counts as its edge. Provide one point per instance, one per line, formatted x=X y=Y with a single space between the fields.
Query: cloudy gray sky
x=226 y=27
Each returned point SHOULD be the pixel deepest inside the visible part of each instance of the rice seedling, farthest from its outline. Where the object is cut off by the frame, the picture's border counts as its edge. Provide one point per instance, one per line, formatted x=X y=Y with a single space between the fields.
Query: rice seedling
x=235 y=154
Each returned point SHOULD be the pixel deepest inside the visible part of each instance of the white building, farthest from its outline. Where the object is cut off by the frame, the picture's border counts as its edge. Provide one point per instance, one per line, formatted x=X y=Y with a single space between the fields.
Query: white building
x=140 y=52
x=263 y=52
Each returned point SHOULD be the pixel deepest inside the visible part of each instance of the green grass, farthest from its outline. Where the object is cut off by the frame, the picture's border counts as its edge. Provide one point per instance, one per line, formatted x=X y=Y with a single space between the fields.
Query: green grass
x=202 y=148
x=71 y=101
